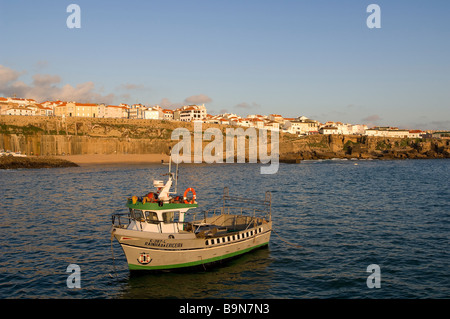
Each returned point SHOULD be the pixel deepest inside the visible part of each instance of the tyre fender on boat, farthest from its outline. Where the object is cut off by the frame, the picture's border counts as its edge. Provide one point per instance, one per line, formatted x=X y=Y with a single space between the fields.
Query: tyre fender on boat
x=190 y=189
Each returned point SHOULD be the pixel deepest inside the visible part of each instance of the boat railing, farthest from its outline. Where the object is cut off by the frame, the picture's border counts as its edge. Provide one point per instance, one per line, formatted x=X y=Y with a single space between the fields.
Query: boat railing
x=234 y=218
x=121 y=220
x=263 y=206
x=235 y=205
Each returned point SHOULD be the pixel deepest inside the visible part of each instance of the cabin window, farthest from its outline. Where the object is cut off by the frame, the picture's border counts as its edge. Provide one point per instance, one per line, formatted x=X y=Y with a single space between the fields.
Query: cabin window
x=152 y=217
x=171 y=217
x=137 y=215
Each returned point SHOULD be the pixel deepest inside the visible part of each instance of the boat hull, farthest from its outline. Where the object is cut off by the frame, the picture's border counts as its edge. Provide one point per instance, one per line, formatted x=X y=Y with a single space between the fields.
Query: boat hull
x=147 y=253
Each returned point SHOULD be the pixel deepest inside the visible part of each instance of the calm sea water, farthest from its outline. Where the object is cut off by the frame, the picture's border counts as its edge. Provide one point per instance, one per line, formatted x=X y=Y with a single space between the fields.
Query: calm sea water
x=345 y=217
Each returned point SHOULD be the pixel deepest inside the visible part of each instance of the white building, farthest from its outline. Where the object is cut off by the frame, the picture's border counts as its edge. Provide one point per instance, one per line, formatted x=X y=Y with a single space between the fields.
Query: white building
x=43 y=110
x=168 y=114
x=301 y=126
x=329 y=130
x=359 y=129
x=116 y=112
x=153 y=114
x=21 y=101
x=245 y=122
x=387 y=132
x=271 y=125
x=191 y=113
x=136 y=111
x=276 y=117
x=257 y=122
x=416 y=133
x=20 y=111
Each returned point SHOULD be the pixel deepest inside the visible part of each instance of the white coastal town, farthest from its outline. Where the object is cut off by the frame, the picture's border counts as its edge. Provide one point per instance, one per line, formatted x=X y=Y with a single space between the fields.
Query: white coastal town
x=299 y=126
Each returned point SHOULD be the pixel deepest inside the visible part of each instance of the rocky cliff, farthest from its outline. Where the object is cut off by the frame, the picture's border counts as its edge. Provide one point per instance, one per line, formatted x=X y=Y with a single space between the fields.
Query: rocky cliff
x=363 y=147
x=55 y=136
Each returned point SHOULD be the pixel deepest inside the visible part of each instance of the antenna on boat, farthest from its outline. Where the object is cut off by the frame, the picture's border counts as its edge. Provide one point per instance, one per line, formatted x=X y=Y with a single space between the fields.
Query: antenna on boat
x=170 y=158
x=176 y=179
x=175 y=175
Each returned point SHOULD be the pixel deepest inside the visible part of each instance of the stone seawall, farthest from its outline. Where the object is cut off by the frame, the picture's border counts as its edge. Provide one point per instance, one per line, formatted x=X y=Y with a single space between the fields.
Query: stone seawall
x=80 y=145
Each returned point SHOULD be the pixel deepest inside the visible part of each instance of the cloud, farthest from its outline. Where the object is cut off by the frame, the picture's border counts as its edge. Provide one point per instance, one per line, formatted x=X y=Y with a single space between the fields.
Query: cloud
x=167 y=104
x=441 y=125
x=372 y=118
x=198 y=99
x=7 y=75
x=245 y=105
x=84 y=92
x=130 y=86
x=46 y=87
x=45 y=80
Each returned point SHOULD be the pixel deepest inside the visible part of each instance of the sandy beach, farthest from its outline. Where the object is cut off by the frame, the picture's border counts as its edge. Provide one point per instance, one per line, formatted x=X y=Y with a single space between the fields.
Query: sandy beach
x=115 y=159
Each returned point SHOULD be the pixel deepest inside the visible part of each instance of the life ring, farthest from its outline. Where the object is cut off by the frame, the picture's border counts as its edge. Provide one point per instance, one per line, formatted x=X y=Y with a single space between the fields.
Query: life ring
x=190 y=189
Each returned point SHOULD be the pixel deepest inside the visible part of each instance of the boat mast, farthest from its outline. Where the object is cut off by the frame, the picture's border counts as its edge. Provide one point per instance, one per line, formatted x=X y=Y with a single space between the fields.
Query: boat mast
x=170 y=172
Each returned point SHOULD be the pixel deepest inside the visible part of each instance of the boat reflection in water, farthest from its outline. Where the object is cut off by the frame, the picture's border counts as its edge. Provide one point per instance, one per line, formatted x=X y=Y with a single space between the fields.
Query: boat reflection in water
x=250 y=272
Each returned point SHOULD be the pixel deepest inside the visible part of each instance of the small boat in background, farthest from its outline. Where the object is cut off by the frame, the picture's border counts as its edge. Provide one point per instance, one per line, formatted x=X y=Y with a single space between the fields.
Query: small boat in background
x=9 y=153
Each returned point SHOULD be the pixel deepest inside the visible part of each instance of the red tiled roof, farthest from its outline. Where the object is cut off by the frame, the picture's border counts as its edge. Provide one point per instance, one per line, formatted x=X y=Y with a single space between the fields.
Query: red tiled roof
x=85 y=104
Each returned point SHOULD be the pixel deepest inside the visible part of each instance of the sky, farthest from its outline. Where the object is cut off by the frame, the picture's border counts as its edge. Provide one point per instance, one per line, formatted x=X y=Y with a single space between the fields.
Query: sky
x=313 y=58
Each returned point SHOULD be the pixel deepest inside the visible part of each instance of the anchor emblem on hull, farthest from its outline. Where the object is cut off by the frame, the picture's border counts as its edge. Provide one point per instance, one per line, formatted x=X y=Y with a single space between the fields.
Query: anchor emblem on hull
x=144 y=259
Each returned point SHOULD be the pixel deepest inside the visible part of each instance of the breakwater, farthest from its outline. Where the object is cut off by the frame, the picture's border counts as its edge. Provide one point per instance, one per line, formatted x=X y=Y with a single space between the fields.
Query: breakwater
x=85 y=136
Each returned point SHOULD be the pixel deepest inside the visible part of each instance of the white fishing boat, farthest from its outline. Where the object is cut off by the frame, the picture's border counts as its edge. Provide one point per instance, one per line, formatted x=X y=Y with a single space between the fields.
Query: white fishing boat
x=159 y=232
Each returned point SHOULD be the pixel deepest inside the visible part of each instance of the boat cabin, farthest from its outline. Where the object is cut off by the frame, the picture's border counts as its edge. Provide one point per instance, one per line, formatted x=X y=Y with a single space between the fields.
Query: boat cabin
x=157 y=221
